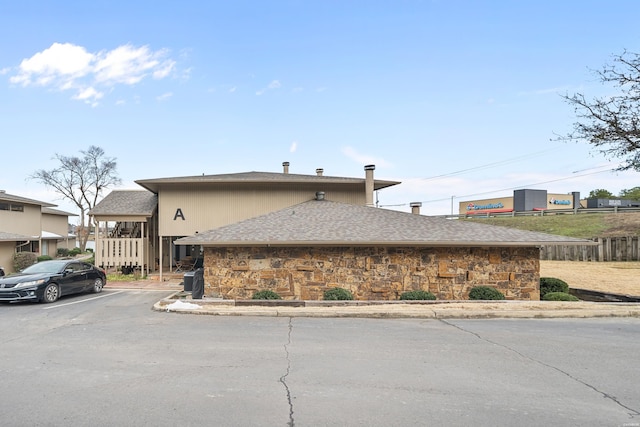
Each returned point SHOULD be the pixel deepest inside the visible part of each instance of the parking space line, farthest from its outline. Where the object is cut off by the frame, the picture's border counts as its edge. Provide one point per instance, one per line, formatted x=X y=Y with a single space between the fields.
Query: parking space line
x=84 y=300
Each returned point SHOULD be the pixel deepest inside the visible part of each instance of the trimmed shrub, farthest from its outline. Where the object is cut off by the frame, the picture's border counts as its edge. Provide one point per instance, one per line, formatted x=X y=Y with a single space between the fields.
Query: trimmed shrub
x=62 y=252
x=485 y=293
x=417 y=295
x=551 y=284
x=338 y=294
x=22 y=260
x=44 y=258
x=266 y=294
x=74 y=252
x=559 y=296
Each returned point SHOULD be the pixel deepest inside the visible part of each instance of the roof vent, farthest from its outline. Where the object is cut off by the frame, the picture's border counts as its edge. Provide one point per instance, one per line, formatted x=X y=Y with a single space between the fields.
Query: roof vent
x=319 y=171
x=285 y=166
x=319 y=195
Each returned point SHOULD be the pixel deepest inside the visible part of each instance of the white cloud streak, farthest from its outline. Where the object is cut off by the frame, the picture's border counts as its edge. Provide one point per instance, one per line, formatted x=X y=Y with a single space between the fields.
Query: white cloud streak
x=164 y=96
x=365 y=159
x=274 y=84
x=68 y=67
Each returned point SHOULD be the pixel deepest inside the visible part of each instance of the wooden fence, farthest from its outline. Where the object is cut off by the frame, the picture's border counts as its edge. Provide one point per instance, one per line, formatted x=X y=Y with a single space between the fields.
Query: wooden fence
x=607 y=249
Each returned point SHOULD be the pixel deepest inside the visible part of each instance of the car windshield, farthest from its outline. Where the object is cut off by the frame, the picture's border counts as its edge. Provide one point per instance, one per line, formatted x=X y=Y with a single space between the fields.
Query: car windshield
x=45 y=267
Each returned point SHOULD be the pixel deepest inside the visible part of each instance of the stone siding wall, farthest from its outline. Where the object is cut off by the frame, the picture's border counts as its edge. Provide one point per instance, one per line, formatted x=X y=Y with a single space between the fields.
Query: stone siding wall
x=377 y=273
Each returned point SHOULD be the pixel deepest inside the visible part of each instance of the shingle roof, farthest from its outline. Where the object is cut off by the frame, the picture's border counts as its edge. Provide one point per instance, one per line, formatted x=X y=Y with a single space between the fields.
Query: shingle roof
x=12 y=237
x=49 y=235
x=339 y=224
x=126 y=202
x=12 y=198
x=258 y=177
x=57 y=212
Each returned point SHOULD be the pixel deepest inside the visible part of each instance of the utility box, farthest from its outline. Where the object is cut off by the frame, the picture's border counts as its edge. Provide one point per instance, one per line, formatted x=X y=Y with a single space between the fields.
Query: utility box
x=198 y=284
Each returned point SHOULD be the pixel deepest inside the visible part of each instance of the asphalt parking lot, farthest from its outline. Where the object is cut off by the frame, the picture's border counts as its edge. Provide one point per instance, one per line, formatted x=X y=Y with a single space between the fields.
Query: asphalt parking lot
x=109 y=359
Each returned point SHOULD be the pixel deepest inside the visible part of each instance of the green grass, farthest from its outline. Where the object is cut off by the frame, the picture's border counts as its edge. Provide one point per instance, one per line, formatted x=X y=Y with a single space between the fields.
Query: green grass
x=585 y=226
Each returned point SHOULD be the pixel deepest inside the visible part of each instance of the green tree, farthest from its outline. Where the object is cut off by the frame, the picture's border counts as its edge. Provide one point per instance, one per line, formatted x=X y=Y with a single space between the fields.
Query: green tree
x=612 y=123
x=631 y=193
x=601 y=193
x=82 y=181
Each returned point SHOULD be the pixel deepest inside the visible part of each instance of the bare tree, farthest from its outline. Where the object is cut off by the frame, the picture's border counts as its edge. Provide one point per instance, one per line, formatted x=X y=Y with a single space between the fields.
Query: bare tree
x=612 y=123
x=82 y=181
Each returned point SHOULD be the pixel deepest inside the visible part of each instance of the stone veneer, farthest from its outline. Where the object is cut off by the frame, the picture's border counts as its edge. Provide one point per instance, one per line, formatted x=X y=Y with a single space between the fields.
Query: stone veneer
x=370 y=273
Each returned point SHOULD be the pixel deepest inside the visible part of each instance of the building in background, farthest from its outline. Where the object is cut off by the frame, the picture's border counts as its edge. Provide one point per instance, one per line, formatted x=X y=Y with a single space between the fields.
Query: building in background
x=28 y=225
x=523 y=201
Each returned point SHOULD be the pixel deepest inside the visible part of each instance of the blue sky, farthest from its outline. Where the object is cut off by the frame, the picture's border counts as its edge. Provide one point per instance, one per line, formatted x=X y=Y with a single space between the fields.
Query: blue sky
x=459 y=100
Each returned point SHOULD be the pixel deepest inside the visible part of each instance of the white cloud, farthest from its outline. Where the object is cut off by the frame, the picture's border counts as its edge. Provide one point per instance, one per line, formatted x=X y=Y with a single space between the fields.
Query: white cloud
x=274 y=84
x=364 y=159
x=65 y=66
x=545 y=91
x=165 y=70
x=127 y=64
x=60 y=61
x=89 y=96
x=164 y=96
x=294 y=147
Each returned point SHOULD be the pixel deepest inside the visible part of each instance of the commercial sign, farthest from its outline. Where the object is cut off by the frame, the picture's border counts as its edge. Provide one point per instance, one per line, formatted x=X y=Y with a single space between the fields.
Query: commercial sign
x=554 y=201
x=473 y=207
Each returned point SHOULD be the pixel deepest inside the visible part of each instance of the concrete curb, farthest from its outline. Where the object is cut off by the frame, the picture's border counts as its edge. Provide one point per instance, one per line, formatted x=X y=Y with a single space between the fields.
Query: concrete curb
x=400 y=310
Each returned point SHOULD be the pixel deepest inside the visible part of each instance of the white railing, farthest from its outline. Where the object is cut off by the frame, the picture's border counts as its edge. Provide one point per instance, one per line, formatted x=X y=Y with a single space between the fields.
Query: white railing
x=123 y=252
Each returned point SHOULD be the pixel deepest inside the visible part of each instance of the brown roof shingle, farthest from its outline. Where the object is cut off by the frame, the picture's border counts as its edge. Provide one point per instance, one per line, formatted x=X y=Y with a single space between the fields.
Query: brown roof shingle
x=339 y=224
x=127 y=202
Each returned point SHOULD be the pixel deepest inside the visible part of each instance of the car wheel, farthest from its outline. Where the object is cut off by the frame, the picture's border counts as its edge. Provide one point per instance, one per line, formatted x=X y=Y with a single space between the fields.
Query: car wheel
x=51 y=293
x=97 y=286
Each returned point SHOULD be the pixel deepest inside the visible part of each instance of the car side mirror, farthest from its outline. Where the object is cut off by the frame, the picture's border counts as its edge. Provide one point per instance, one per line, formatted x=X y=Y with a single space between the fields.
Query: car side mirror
x=68 y=271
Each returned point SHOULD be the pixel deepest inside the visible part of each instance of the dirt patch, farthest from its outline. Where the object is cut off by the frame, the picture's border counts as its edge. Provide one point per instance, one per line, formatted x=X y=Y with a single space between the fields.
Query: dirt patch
x=622 y=225
x=613 y=277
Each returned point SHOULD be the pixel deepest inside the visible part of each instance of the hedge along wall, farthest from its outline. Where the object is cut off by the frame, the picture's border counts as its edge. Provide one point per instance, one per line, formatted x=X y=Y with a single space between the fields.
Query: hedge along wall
x=377 y=273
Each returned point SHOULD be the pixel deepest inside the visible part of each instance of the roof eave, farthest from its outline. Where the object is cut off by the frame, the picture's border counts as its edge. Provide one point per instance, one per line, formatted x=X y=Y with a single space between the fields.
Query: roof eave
x=154 y=185
x=403 y=243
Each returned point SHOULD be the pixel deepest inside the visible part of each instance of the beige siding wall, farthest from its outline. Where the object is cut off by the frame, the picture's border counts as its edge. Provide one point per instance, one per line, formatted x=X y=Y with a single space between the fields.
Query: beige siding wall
x=58 y=224
x=184 y=211
x=7 y=249
x=26 y=223
x=376 y=273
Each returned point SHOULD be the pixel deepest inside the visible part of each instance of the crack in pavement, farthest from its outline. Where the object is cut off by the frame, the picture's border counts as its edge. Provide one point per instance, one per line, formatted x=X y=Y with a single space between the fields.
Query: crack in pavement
x=283 y=379
x=632 y=412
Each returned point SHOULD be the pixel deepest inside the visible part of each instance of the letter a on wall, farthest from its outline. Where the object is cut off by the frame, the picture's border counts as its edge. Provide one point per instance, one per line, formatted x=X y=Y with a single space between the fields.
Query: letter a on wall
x=178 y=214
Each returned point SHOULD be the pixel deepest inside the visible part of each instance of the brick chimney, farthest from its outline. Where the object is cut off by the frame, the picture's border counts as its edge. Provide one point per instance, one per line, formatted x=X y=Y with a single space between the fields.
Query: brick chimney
x=368 y=184
x=285 y=166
